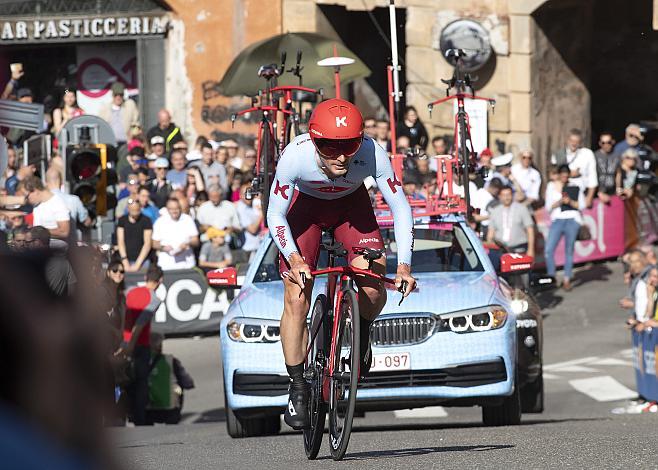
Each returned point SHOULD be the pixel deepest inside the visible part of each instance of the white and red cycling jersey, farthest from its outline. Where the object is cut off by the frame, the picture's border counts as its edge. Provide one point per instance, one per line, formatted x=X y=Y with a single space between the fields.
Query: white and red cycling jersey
x=321 y=202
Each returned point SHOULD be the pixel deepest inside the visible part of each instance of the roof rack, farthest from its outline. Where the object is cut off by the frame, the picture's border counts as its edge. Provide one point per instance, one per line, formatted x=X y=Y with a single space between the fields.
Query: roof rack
x=443 y=203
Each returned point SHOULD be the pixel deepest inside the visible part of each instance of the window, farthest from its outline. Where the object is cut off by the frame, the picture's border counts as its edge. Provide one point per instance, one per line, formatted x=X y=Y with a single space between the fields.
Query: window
x=436 y=250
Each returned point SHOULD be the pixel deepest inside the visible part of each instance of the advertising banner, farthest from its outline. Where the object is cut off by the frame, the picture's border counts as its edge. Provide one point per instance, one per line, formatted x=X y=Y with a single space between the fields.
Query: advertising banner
x=645 y=352
x=606 y=224
x=188 y=306
x=99 y=66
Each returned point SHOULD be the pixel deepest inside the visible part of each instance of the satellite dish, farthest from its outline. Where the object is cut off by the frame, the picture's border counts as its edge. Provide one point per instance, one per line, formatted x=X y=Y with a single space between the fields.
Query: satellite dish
x=469 y=36
x=100 y=131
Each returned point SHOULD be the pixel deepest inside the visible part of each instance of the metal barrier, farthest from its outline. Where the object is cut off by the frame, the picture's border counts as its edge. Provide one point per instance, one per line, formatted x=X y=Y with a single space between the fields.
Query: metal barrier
x=189 y=306
x=645 y=353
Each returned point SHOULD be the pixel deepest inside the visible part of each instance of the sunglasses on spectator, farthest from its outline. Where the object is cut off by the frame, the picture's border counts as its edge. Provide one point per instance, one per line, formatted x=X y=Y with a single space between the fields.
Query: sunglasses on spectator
x=371 y=126
x=118 y=270
x=605 y=142
x=180 y=148
x=133 y=181
x=526 y=157
x=132 y=201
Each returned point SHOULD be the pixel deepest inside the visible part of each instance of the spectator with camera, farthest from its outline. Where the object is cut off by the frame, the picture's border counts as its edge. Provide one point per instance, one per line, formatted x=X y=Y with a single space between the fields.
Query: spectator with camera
x=563 y=201
x=632 y=139
x=159 y=186
x=412 y=128
x=581 y=162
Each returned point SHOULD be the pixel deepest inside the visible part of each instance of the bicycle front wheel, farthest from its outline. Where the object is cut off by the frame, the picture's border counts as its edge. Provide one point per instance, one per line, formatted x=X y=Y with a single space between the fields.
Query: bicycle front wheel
x=315 y=366
x=345 y=377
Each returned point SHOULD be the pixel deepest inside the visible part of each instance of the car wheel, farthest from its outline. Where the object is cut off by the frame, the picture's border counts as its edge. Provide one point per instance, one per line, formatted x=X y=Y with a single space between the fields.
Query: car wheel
x=505 y=414
x=532 y=396
x=239 y=427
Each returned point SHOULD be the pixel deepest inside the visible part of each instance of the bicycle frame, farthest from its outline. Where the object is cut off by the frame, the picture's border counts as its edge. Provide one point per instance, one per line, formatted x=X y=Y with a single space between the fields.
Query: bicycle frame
x=346 y=274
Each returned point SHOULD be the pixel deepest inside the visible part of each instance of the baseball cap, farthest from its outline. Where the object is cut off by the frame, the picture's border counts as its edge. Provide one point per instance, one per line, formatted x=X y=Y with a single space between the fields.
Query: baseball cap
x=118 y=88
x=503 y=160
x=157 y=139
x=161 y=162
x=213 y=232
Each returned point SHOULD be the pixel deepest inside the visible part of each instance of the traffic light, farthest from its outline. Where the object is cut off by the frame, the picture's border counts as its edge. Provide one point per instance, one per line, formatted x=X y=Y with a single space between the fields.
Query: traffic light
x=92 y=176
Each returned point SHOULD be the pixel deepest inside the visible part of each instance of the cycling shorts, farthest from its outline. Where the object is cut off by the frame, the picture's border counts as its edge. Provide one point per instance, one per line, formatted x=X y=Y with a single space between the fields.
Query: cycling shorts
x=351 y=217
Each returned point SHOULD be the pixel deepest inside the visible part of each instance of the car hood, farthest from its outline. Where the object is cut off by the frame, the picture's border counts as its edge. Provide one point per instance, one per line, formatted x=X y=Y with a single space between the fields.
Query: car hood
x=437 y=293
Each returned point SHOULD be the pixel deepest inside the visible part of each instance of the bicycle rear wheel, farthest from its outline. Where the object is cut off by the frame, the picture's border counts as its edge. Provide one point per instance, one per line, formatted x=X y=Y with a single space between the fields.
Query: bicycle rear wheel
x=266 y=169
x=315 y=363
x=344 y=381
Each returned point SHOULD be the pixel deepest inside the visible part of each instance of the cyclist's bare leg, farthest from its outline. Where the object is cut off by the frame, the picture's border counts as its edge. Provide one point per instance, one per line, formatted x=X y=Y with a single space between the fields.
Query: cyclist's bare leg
x=372 y=293
x=294 y=333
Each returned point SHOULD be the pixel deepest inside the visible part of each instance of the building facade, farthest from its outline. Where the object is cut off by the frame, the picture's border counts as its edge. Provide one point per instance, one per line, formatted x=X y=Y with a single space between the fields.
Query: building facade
x=555 y=64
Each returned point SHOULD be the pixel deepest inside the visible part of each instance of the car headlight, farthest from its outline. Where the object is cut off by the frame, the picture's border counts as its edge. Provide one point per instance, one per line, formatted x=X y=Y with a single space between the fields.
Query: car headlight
x=253 y=330
x=473 y=320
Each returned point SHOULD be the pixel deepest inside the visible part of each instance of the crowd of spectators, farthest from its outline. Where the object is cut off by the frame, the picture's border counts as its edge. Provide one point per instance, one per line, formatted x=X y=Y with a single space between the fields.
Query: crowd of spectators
x=182 y=205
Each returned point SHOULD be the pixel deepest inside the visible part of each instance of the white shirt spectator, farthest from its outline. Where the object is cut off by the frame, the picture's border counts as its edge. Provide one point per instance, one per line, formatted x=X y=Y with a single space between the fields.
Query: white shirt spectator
x=481 y=199
x=553 y=195
x=73 y=203
x=584 y=161
x=222 y=216
x=641 y=300
x=529 y=179
x=248 y=215
x=175 y=233
x=458 y=189
x=49 y=212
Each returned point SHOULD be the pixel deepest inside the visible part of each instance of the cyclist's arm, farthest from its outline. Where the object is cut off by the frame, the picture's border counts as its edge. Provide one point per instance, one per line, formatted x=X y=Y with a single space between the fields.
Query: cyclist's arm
x=281 y=194
x=391 y=189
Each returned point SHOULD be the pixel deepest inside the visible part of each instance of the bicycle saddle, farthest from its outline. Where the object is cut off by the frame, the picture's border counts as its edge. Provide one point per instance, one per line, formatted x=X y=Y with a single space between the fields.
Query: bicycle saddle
x=268 y=72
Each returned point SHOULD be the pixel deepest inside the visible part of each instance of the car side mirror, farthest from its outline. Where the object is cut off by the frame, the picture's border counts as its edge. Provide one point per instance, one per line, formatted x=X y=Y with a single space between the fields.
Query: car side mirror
x=223 y=278
x=515 y=263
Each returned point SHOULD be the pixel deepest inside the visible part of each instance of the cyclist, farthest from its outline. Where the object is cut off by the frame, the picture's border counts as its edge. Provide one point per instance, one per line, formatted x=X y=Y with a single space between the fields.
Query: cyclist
x=318 y=185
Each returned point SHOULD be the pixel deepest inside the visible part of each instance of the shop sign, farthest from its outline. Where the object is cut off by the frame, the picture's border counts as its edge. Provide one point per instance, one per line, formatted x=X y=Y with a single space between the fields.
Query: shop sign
x=82 y=28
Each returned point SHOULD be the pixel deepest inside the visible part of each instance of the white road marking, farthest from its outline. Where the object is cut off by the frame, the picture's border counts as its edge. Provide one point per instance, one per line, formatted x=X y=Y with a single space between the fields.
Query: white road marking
x=575 y=369
x=559 y=365
x=611 y=361
x=549 y=376
x=429 y=412
x=603 y=388
x=626 y=352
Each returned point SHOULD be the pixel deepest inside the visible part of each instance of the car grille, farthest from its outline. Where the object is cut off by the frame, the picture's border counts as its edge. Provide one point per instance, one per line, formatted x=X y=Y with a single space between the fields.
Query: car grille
x=469 y=375
x=394 y=331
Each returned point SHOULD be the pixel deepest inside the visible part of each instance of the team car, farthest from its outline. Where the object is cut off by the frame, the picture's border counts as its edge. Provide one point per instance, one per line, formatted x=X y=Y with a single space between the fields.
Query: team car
x=464 y=337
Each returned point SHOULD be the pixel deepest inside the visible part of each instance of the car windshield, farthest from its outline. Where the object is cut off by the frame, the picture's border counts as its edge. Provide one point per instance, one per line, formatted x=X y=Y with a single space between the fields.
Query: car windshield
x=445 y=249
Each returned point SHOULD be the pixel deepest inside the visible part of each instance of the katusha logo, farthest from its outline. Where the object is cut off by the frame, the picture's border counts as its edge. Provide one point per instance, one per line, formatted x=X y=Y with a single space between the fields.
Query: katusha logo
x=341 y=121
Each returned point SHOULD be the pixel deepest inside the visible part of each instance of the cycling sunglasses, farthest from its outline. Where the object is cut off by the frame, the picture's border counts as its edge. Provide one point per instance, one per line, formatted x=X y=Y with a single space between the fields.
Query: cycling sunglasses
x=333 y=148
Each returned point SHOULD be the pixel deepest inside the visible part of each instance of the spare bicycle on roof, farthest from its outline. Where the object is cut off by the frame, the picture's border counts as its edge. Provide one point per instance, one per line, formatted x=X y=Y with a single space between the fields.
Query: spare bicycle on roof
x=279 y=122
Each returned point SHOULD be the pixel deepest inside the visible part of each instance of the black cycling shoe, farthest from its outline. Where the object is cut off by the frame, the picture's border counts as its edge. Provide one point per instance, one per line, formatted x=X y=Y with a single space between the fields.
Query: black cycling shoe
x=296 y=415
x=365 y=361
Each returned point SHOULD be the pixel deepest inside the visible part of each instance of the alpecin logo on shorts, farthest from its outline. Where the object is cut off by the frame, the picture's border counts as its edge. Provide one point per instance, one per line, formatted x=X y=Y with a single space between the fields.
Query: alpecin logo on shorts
x=368 y=240
x=280 y=234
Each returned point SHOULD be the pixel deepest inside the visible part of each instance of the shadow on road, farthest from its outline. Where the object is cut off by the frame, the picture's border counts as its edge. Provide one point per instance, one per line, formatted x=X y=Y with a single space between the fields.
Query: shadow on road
x=476 y=424
x=208 y=416
x=395 y=453
x=596 y=272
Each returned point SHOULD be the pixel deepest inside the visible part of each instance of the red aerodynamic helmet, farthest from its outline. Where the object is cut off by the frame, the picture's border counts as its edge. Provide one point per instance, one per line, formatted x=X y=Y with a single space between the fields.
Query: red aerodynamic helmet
x=336 y=128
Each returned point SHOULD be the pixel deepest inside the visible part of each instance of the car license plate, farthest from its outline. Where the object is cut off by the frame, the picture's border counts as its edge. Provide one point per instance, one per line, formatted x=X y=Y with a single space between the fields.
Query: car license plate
x=387 y=362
